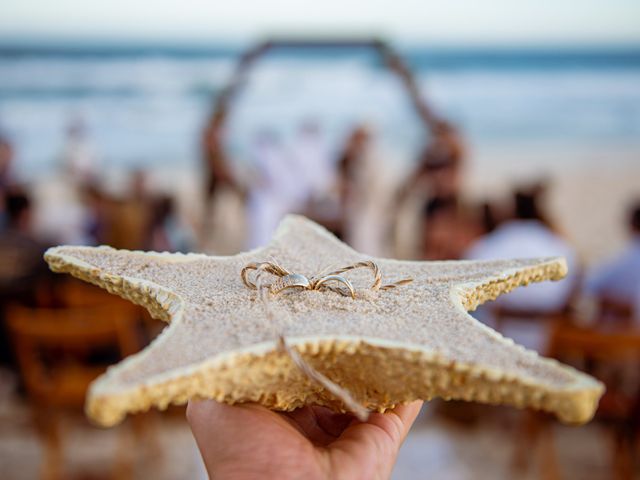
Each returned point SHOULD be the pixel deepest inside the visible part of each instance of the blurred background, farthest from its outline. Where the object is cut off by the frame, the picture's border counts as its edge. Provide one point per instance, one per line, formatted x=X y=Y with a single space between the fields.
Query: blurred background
x=440 y=131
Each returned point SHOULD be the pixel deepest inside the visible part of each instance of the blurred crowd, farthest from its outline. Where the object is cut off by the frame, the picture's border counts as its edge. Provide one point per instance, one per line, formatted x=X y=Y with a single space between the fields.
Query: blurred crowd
x=421 y=214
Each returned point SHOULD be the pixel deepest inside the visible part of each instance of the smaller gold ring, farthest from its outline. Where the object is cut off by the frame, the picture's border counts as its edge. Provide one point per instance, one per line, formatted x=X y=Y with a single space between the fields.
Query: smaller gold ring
x=293 y=280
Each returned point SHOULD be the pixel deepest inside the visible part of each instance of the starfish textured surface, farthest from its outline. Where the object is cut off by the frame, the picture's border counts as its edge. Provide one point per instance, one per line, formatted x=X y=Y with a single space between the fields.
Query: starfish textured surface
x=386 y=347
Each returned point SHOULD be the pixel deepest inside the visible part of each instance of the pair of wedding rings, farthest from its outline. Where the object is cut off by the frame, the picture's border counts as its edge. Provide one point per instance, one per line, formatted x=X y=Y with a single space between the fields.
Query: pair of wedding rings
x=287 y=280
x=294 y=281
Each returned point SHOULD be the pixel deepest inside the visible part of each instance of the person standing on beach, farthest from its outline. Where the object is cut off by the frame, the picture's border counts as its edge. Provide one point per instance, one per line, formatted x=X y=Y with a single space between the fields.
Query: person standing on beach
x=223 y=226
x=365 y=192
x=78 y=159
x=6 y=158
x=429 y=200
x=439 y=170
x=276 y=189
x=311 y=155
x=214 y=158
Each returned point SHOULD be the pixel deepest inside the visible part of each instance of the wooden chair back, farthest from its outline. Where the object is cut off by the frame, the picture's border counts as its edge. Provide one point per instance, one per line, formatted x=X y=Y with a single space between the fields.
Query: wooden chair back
x=607 y=344
x=608 y=353
x=51 y=347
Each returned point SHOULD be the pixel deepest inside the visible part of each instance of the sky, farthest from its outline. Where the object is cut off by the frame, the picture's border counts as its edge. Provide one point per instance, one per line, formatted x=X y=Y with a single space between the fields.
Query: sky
x=503 y=22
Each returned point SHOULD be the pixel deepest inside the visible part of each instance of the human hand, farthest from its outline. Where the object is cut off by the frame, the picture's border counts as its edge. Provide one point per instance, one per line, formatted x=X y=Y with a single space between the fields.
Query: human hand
x=250 y=441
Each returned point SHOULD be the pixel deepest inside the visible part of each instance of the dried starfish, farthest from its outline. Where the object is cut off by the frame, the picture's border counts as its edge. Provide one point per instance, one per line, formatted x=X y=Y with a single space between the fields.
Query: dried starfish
x=384 y=346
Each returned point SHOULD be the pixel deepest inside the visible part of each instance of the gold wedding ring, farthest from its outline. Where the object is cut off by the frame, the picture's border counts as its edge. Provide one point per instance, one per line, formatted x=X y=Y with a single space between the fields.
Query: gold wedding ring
x=336 y=278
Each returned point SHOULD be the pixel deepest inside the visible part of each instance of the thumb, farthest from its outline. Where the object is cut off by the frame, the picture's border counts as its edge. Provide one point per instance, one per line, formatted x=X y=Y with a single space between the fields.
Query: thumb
x=373 y=444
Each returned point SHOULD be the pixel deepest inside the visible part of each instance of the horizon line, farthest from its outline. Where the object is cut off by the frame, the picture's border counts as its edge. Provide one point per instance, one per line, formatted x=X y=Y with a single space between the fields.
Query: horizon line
x=87 y=43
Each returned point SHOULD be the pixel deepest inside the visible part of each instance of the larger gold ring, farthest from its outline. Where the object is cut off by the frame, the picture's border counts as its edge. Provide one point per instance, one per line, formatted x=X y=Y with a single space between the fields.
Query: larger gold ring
x=335 y=278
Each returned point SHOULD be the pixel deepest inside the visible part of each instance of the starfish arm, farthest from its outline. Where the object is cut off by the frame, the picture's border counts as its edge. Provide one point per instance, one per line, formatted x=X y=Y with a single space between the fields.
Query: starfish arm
x=129 y=274
x=488 y=367
x=476 y=282
x=480 y=364
x=168 y=371
x=498 y=277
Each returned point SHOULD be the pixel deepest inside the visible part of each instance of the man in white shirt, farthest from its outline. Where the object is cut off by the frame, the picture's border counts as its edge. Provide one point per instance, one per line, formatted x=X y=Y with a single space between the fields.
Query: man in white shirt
x=527 y=236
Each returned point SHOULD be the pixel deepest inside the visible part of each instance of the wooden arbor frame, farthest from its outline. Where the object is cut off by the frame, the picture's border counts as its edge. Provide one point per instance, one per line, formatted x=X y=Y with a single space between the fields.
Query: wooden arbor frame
x=431 y=123
x=388 y=56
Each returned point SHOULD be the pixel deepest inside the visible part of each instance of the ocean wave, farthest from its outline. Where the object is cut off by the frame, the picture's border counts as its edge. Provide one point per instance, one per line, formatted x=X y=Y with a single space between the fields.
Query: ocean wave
x=70 y=92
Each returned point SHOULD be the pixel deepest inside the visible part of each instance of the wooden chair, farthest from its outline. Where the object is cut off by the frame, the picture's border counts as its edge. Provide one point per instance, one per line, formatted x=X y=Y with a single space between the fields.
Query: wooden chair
x=504 y=316
x=54 y=349
x=603 y=351
x=75 y=293
x=612 y=311
x=606 y=352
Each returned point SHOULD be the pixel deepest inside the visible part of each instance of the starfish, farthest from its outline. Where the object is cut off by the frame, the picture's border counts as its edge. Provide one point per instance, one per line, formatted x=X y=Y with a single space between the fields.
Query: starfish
x=385 y=347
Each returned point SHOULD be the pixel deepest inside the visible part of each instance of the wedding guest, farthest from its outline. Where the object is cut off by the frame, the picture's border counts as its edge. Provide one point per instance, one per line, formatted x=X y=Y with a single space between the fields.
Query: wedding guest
x=6 y=159
x=78 y=158
x=310 y=152
x=275 y=190
x=427 y=197
x=439 y=168
x=96 y=222
x=365 y=193
x=24 y=276
x=448 y=228
x=530 y=234
x=135 y=211
x=215 y=162
x=167 y=232
x=618 y=280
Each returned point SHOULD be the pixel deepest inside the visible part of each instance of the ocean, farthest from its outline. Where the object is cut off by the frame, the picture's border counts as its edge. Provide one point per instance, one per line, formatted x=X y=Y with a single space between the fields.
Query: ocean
x=145 y=107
